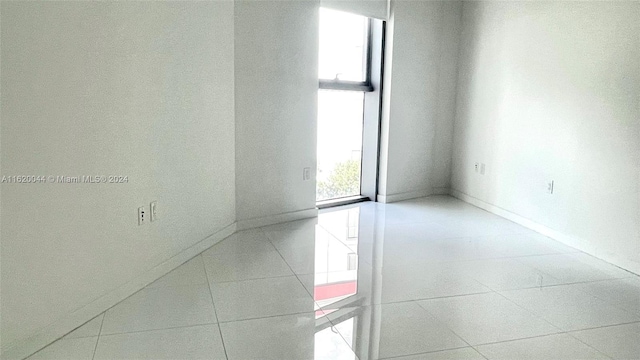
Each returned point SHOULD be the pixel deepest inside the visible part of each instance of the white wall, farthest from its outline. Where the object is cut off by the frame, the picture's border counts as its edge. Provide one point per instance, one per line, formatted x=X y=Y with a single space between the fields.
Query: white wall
x=142 y=89
x=276 y=60
x=419 y=105
x=550 y=91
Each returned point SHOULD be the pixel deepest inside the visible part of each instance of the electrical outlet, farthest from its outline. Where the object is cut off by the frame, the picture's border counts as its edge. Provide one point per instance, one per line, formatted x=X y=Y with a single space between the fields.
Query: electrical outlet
x=142 y=216
x=306 y=174
x=153 y=215
x=482 y=167
x=477 y=166
x=550 y=187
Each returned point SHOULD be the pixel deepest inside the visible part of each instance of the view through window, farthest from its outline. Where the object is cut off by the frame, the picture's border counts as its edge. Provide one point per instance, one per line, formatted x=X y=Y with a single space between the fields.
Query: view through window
x=344 y=77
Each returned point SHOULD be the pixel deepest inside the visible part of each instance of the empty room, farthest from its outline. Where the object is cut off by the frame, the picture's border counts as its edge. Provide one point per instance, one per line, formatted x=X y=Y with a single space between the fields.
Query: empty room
x=319 y=179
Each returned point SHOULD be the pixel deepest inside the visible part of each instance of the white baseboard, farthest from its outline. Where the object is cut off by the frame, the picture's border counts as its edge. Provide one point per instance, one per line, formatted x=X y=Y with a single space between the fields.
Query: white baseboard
x=403 y=196
x=22 y=349
x=276 y=219
x=58 y=329
x=574 y=242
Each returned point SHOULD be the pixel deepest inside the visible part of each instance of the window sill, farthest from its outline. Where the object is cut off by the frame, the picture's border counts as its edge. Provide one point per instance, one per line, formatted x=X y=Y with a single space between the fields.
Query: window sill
x=324 y=204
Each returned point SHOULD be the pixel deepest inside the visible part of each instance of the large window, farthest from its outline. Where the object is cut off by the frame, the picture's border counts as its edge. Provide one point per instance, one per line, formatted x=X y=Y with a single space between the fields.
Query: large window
x=345 y=79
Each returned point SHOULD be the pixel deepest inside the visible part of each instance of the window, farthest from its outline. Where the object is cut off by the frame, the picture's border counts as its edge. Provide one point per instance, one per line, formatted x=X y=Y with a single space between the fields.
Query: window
x=343 y=47
x=347 y=43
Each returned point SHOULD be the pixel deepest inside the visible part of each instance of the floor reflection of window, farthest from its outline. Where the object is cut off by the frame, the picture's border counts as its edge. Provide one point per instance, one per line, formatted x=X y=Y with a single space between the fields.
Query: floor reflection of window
x=353 y=217
x=336 y=269
x=330 y=344
x=346 y=330
x=352 y=261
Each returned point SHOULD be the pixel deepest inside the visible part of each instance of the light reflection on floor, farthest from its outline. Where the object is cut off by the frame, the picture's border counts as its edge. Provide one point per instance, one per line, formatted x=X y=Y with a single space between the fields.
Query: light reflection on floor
x=434 y=277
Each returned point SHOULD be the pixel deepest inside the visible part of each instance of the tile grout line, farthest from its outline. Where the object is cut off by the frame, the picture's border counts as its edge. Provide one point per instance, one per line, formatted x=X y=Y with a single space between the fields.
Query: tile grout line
x=561 y=331
x=298 y=278
x=338 y=271
x=604 y=326
x=530 y=312
x=628 y=274
x=606 y=302
x=251 y=279
x=95 y=348
x=588 y=345
x=450 y=329
x=524 y=338
x=309 y=292
x=540 y=336
x=213 y=303
x=268 y=238
x=158 y=329
x=291 y=269
x=294 y=273
x=595 y=296
x=268 y=317
x=429 y=352
x=64 y=337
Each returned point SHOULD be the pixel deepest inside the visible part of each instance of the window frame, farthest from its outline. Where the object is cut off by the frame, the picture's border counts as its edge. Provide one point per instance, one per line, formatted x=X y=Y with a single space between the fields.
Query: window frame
x=372 y=88
x=344 y=85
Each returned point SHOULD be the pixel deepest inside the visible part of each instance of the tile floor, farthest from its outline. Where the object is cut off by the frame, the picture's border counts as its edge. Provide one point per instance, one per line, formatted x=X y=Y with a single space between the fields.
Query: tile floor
x=432 y=278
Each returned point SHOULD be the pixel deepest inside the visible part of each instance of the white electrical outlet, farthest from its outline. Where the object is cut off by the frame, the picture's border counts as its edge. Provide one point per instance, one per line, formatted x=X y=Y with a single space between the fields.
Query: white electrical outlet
x=482 y=167
x=142 y=216
x=153 y=215
x=306 y=174
x=550 y=187
x=476 y=166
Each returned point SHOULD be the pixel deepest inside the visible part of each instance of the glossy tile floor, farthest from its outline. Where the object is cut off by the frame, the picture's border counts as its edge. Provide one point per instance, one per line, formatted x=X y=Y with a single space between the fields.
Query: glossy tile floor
x=432 y=278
